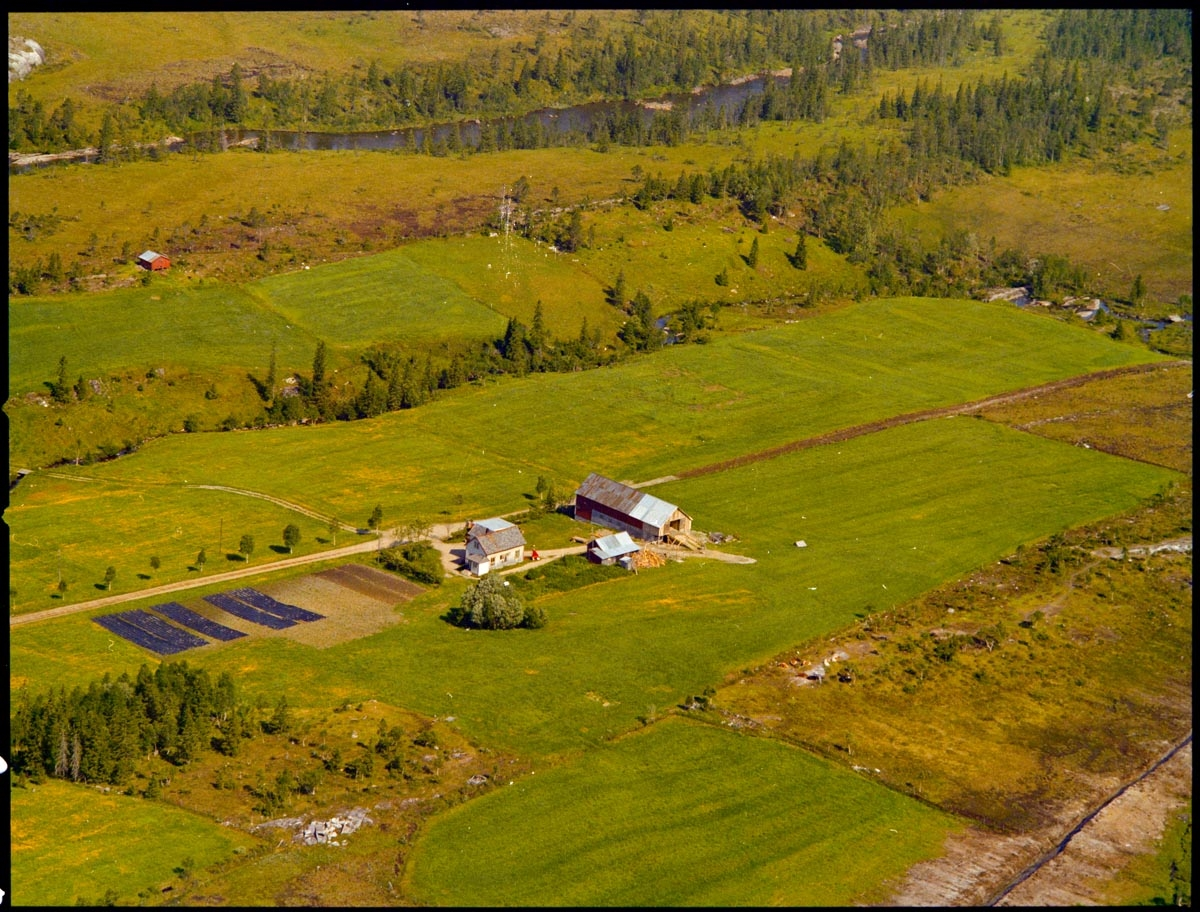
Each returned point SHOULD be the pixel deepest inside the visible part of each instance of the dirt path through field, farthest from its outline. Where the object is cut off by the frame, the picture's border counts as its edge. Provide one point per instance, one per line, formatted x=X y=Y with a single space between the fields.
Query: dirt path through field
x=948 y=411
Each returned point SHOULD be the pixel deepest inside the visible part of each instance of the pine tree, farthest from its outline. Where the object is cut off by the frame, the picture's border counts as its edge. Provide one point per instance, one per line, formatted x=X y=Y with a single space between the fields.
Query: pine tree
x=62 y=389
x=800 y=257
x=318 y=370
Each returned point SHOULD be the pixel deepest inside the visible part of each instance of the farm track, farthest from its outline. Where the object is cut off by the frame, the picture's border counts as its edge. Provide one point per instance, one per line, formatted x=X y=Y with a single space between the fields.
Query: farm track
x=439 y=533
x=182 y=585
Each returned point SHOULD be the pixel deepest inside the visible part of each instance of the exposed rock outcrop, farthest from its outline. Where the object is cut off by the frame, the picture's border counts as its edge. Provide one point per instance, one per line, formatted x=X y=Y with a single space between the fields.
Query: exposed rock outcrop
x=23 y=55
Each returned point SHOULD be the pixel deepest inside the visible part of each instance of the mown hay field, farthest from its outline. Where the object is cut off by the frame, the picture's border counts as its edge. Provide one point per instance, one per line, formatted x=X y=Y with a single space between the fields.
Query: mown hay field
x=671 y=807
x=887 y=516
x=74 y=529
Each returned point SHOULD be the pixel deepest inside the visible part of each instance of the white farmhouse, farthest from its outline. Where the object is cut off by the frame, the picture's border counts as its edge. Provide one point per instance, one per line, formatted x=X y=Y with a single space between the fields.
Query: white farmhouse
x=493 y=543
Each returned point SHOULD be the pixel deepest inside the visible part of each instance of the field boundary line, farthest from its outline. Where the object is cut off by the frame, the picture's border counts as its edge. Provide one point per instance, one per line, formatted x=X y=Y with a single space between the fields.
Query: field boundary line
x=278 y=501
x=946 y=411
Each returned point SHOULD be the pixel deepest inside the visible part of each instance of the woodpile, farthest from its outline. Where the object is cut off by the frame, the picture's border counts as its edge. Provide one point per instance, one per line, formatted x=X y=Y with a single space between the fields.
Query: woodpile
x=646 y=558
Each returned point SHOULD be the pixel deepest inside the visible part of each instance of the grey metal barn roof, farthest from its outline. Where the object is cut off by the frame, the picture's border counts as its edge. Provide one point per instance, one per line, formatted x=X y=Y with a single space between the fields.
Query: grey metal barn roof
x=616 y=545
x=637 y=504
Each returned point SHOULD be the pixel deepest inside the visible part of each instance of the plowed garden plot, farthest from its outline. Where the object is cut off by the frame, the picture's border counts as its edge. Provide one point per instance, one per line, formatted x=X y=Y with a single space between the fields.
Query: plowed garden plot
x=374 y=583
x=354 y=605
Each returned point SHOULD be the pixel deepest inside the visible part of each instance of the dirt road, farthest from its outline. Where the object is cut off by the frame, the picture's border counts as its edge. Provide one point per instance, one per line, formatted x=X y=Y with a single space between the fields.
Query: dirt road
x=201 y=579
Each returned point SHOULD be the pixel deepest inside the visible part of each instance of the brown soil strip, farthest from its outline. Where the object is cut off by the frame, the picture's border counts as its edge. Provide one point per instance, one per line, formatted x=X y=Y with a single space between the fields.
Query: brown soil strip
x=944 y=412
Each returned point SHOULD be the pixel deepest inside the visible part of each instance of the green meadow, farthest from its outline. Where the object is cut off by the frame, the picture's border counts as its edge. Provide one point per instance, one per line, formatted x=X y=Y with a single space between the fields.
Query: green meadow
x=885 y=516
x=381 y=299
x=643 y=811
x=479 y=449
x=206 y=328
x=170 y=522
x=67 y=858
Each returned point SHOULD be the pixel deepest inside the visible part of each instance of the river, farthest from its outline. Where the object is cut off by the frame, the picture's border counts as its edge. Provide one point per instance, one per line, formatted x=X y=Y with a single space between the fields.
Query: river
x=554 y=121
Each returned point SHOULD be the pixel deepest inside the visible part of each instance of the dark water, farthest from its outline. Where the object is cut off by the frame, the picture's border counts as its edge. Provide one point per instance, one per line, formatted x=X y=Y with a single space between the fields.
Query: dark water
x=554 y=121
x=579 y=118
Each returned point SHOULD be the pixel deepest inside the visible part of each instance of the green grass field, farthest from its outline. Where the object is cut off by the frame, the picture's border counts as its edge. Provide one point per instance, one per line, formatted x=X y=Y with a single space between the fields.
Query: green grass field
x=633 y=823
x=386 y=298
x=685 y=407
x=210 y=328
x=65 y=858
x=643 y=644
x=169 y=522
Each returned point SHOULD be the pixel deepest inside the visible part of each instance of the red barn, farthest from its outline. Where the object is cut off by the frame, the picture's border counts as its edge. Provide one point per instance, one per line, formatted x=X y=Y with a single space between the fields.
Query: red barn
x=609 y=503
x=155 y=262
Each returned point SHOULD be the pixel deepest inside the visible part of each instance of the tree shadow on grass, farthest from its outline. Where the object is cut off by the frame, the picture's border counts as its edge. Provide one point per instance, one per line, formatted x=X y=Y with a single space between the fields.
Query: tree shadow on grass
x=281 y=549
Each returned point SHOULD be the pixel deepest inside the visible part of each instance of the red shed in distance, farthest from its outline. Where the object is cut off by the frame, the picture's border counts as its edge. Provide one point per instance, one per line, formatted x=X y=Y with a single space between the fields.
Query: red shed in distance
x=155 y=262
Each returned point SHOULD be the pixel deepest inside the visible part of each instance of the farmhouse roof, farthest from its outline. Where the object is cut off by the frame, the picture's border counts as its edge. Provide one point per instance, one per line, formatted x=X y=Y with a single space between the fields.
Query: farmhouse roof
x=149 y=255
x=481 y=526
x=641 y=506
x=490 y=543
x=616 y=545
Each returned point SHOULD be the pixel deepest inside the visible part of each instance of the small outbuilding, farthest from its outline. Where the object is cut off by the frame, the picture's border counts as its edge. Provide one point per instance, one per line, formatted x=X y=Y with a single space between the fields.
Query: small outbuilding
x=618 y=506
x=617 y=548
x=155 y=262
x=493 y=543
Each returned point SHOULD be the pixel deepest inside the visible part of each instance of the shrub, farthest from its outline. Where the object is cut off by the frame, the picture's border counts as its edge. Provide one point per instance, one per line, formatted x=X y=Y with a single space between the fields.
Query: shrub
x=417 y=561
x=490 y=605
